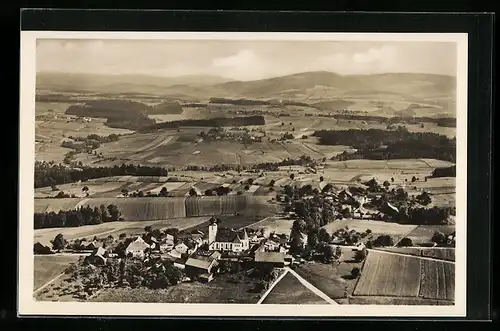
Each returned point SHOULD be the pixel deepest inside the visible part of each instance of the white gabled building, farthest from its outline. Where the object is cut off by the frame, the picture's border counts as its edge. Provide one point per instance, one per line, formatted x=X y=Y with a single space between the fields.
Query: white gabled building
x=224 y=239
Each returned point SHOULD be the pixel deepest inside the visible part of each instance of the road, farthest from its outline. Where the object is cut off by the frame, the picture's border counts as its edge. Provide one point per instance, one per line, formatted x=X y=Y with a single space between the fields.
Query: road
x=264 y=296
x=312 y=288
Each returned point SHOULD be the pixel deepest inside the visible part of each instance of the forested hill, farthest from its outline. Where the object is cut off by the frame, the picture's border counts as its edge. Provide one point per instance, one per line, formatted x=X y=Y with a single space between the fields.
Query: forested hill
x=375 y=144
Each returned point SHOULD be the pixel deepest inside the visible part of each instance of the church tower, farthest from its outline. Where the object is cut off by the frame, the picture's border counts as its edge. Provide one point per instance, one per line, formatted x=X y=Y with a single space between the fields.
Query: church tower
x=212 y=230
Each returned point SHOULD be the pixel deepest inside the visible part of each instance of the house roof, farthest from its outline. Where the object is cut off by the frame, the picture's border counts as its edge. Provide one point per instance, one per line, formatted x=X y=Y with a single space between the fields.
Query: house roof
x=137 y=245
x=175 y=253
x=45 y=243
x=99 y=251
x=271 y=257
x=180 y=260
x=215 y=255
x=229 y=235
x=200 y=262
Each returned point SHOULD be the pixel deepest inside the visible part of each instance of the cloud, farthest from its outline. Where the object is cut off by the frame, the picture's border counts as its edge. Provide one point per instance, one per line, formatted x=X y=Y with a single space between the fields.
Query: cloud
x=243 y=65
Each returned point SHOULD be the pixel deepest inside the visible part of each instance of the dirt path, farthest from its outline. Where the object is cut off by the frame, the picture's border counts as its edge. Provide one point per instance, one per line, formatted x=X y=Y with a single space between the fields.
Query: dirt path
x=48 y=283
x=312 y=288
x=415 y=256
x=264 y=296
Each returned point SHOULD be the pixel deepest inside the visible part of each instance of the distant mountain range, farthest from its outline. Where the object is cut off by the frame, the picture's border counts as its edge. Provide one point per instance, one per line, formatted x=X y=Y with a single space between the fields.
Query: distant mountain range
x=316 y=85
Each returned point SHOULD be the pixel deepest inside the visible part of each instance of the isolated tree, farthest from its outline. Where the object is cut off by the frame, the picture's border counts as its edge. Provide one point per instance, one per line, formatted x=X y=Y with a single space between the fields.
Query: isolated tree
x=355 y=272
x=386 y=184
x=124 y=192
x=439 y=238
x=122 y=236
x=424 y=198
x=85 y=189
x=246 y=187
x=148 y=229
x=413 y=179
x=272 y=182
x=250 y=181
x=392 y=179
x=140 y=194
x=292 y=176
x=192 y=192
x=360 y=255
x=163 y=192
x=59 y=242
x=321 y=178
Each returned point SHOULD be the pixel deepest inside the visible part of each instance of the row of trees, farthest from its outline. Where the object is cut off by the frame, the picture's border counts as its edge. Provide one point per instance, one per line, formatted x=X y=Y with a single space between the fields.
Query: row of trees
x=77 y=217
x=445 y=172
x=48 y=174
x=210 y=122
x=303 y=160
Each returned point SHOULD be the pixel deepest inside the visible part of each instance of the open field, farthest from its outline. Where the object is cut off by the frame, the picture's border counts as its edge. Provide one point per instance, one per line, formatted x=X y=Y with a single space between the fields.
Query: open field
x=156 y=208
x=437 y=280
x=290 y=291
x=275 y=224
x=415 y=277
x=395 y=230
x=423 y=233
x=331 y=279
x=117 y=228
x=439 y=253
x=378 y=276
x=47 y=267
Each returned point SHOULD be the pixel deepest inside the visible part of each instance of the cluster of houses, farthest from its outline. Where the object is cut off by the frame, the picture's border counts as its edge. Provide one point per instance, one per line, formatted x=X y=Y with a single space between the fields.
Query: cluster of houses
x=197 y=253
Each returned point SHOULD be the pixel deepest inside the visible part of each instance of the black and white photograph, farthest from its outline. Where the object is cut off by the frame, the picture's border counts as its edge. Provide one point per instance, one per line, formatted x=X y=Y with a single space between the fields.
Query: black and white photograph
x=254 y=174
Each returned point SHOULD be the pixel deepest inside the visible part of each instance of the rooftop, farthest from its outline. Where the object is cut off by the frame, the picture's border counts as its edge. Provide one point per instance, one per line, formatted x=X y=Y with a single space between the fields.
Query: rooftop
x=271 y=257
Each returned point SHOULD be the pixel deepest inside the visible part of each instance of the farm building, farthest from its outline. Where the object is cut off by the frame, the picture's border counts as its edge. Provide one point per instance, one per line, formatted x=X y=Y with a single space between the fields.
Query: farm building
x=201 y=267
x=180 y=262
x=137 y=248
x=42 y=247
x=225 y=239
x=187 y=246
x=269 y=259
x=175 y=254
x=93 y=245
x=97 y=257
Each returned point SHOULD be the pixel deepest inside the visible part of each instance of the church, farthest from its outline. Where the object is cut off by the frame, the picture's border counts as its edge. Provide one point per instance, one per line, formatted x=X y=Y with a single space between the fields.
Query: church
x=224 y=239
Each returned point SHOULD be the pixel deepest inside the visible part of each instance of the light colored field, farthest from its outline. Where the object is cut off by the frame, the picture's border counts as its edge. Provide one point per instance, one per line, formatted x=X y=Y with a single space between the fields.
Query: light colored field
x=331 y=279
x=276 y=224
x=442 y=253
x=55 y=205
x=76 y=189
x=423 y=233
x=402 y=250
x=47 y=267
x=116 y=228
x=379 y=276
x=290 y=291
x=438 y=280
x=377 y=227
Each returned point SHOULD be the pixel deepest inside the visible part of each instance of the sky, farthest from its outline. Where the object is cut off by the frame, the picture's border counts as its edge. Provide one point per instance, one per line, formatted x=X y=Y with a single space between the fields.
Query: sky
x=242 y=60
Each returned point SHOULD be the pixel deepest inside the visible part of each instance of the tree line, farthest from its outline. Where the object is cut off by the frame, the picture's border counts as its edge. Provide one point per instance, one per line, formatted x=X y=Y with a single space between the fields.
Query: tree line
x=77 y=217
x=376 y=144
x=445 y=172
x=303 y=160
x=48 y=174
x=89 y=143
x=210 y=122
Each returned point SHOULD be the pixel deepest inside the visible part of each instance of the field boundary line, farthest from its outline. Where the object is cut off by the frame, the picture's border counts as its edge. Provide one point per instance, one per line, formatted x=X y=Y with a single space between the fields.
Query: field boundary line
x=48 y=283
x=405 y=235
x=361 y=271
x=264 y=296
x=414 y=256
x=249 y=225
x=312 y=288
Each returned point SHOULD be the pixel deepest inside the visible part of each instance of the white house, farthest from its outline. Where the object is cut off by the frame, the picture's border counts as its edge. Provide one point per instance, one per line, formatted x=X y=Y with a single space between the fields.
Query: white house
x=137 y=247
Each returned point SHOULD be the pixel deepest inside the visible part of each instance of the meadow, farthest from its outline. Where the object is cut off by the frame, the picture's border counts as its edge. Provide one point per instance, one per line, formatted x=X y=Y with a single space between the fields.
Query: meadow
x=290 y=291
x=47 y=267
x=416 y=277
